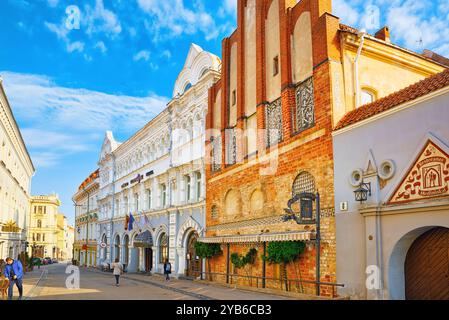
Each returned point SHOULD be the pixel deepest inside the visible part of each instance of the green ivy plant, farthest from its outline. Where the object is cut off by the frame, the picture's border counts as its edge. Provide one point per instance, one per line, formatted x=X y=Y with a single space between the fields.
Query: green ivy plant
x=283 y=253
x=240 y=261
x=208 y=251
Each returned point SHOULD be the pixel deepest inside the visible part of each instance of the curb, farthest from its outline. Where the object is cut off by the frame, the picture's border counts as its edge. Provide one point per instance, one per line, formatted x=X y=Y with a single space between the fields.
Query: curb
x=31 y=294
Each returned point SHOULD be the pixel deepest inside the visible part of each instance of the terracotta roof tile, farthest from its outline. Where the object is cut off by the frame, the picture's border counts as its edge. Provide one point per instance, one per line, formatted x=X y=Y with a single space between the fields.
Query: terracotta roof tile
x=410 y=93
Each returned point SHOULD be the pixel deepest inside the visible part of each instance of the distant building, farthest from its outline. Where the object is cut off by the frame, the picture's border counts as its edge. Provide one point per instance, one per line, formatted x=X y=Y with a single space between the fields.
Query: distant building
x=16 y=170
x=86 y=217
x=70 y=236
x=64 y=253
x=44 y=230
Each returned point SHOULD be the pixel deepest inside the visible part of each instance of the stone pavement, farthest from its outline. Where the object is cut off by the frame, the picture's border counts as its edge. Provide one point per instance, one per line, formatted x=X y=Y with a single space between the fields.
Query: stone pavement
x=97 y=285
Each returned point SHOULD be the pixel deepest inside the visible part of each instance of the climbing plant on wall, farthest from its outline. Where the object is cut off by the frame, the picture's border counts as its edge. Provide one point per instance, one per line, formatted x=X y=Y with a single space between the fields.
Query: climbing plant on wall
x=244 y=262
x=208 y=251
x=283 y=253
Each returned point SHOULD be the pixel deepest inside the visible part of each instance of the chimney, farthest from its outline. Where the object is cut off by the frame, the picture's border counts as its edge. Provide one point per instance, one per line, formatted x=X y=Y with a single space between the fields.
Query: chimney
x=383 y=34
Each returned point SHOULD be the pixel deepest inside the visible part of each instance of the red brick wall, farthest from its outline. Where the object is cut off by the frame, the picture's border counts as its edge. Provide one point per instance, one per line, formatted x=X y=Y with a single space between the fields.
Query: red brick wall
x=314 y=156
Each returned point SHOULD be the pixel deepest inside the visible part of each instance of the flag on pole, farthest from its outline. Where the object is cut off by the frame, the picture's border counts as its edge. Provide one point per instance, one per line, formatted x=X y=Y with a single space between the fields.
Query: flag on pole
x=130 y=222
x=126 y=222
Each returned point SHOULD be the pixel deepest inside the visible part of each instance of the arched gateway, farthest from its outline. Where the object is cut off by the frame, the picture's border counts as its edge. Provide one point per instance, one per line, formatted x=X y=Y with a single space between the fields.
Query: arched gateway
x=427 y=266
x=144 y=241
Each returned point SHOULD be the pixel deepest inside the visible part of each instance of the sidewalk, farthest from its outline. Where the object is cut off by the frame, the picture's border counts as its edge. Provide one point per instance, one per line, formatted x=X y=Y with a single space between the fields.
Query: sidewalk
x=30 y=283
x=204 y=290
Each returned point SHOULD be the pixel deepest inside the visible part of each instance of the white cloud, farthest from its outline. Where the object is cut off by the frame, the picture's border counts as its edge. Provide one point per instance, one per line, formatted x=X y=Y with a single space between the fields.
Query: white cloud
x=101 y=20
x=229 y=7
x=346 y=12
x=175 y=19
x=60 y=30
x=142 y=55
x=53 y=3
x=101 y=46
x=166 y=54
x=60 y=121
x=75 y=46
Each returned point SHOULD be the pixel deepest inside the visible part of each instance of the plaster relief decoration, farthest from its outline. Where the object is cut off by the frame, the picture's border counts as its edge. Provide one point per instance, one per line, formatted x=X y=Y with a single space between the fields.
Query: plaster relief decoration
x=427 y=178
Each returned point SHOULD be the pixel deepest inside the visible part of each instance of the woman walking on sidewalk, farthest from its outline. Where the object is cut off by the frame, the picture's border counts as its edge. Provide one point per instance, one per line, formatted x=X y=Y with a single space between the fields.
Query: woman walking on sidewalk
x=167 y=270
x=118 y=270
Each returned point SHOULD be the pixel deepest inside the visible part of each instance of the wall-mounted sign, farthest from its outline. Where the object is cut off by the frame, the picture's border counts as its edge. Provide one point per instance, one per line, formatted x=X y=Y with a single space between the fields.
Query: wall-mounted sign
x=137 y=179
x=103 y=245
x=149 y=173
x=125 y=185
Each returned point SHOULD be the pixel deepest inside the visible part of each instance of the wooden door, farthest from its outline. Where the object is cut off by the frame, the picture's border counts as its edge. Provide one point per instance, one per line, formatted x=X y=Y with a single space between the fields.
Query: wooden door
x=193 y=261
x=427 y=267
x=148 y=259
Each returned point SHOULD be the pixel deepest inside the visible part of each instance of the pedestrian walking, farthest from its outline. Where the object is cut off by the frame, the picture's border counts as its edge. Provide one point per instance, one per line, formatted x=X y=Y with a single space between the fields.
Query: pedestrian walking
x=118 y=270
x=14 y=272
x=167 y=270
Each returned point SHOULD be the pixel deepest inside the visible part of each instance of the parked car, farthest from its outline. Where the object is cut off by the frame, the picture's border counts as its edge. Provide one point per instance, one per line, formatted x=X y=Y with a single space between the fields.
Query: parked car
x=48 y=260
x=54 y=260
x=37 y=261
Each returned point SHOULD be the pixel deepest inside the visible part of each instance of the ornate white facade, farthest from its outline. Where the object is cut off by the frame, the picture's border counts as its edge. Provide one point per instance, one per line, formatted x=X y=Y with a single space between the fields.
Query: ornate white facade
x=86 y=217
x=159 y=174
x=16 y=170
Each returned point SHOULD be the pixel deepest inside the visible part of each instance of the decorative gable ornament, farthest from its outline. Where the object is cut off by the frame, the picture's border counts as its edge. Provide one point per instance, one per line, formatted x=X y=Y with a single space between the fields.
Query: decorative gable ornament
x=428 y=177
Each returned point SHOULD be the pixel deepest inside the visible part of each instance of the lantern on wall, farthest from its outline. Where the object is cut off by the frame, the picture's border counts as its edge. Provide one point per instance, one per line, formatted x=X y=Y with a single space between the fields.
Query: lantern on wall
x=362 y=192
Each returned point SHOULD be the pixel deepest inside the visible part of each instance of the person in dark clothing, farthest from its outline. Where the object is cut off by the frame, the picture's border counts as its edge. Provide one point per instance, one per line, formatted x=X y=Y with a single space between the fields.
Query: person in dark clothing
x=167 y=270
x=14 y=272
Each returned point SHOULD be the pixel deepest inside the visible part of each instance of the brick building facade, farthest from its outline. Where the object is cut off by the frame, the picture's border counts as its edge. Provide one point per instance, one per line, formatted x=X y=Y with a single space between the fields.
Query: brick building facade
x=285 y=69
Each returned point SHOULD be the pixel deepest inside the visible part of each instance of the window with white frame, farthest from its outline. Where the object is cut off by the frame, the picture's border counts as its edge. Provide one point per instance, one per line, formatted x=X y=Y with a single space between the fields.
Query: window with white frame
x=163 y=197
x=149 y=199
x=136 y=202
x=198 y=185
x=188 y=188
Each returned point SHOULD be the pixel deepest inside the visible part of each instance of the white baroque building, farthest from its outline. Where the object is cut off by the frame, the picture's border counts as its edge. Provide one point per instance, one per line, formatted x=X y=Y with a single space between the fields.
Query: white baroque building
x=16 y=171
x=158 y=175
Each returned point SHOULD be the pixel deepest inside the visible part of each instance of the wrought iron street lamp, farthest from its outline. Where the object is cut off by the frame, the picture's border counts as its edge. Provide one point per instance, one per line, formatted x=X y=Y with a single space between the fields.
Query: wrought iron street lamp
x=362 y=192
x=305 y=217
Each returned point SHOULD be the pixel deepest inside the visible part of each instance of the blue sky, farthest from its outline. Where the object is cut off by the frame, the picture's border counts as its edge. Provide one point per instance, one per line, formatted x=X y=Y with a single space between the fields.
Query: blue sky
x=68 y=86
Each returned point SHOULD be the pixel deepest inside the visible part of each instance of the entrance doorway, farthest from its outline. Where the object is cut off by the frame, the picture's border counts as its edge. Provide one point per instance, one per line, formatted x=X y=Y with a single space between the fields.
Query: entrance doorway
x=193 y=262
x=427 y=267
x=148 y=259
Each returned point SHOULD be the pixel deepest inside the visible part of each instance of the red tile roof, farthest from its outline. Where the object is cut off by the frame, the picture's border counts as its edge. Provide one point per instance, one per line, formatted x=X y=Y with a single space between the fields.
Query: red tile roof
x=412 y=92
x=94 y=175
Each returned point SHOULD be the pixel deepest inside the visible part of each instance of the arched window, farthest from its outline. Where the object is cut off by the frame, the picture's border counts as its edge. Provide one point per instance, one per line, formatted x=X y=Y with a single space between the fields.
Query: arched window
x=187 y=86
x=304 y=182
x=367 y=96
x=39 y=223
x=214 y=212
x=163 y=248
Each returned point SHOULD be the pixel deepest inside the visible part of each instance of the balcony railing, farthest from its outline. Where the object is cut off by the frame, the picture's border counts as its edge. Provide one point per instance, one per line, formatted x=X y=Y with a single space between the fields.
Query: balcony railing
x=231 y=146
x=273 y=118
x=304 y=113
x=216 y=153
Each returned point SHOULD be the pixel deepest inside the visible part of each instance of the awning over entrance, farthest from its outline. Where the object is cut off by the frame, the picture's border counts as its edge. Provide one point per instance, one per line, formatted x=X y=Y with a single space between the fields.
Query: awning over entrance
x=143 y=240
x=266 y=237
